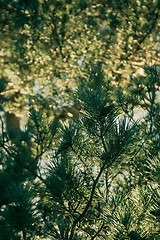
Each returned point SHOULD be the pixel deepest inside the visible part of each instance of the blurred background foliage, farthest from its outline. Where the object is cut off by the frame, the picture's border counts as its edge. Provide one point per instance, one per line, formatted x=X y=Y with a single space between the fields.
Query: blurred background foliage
x=45 y=45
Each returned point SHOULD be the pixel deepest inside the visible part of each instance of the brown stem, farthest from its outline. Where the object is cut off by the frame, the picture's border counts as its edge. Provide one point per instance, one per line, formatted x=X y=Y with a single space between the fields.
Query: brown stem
x=82 y=215
x=98 y=232
x=106 y=178
x=24 y=235
x=148 y=32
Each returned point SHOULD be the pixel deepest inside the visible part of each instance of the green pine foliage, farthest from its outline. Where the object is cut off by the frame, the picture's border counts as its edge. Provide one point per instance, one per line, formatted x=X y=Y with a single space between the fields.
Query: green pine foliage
x=93 y=177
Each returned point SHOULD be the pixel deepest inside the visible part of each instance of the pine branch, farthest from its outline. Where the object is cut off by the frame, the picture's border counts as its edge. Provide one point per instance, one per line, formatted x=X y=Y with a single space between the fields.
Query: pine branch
x=21 y=164
x=98 y=232
x=82 y=215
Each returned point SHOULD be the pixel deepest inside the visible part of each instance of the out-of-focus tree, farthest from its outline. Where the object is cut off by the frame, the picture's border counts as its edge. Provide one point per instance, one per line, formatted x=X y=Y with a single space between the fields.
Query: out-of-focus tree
x=45 y=44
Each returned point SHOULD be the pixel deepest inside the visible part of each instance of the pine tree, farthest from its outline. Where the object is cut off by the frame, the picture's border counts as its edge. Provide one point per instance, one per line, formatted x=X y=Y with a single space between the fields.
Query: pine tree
x=101 y=179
